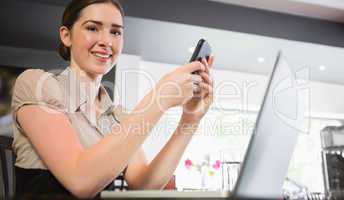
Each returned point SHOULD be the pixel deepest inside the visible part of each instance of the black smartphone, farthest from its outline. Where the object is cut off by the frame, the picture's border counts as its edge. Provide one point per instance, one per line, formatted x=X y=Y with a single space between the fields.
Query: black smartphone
x=202 y=50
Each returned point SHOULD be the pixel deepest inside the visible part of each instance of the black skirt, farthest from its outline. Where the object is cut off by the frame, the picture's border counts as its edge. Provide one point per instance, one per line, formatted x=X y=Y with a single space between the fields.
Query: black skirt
x=39 y=183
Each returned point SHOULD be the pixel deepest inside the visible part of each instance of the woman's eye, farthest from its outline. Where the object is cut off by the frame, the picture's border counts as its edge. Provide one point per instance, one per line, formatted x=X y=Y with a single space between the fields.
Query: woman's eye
x=91 y=28
x=116 y=33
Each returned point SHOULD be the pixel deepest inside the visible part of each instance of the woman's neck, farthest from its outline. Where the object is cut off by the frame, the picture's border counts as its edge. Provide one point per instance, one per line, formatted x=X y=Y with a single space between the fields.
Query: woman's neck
x=92 y=82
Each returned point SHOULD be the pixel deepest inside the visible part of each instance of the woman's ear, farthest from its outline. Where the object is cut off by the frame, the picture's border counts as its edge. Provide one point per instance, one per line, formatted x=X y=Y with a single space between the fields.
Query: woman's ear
x=65 y=36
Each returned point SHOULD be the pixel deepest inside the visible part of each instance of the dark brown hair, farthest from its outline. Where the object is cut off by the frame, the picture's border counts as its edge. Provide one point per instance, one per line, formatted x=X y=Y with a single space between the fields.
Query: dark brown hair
x=71 y=15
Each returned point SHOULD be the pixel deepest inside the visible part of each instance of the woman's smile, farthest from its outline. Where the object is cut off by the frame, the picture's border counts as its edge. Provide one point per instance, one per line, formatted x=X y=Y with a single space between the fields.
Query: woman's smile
x=102 y=56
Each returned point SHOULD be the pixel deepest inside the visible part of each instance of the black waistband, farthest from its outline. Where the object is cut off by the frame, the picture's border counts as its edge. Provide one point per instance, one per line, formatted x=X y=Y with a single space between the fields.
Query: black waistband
x=39 y=182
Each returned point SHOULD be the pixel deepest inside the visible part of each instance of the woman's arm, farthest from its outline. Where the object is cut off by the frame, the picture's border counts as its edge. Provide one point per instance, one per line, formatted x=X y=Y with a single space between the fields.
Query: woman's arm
x=85 y=172
x=155 y=175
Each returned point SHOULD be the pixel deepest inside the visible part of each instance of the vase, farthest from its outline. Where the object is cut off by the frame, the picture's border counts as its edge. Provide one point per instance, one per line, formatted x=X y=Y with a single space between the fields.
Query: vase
x=204 y=177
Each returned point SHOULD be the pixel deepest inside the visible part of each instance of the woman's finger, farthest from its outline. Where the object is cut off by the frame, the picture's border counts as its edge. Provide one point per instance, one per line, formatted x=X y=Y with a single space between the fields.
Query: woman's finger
x=205 y=63
x=211 y=61
x=206 y=77
x=192 y=67
x=205 y=89
x=196 y=78
x=211 y=65
x=196 y=89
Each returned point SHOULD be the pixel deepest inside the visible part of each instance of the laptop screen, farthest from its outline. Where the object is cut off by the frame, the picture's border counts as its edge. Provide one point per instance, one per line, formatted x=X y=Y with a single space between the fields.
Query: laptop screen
x=279 y=122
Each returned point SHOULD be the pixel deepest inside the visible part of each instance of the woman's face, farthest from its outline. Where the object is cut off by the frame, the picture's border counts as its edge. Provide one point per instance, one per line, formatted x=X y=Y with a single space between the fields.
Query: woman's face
x=96 y=39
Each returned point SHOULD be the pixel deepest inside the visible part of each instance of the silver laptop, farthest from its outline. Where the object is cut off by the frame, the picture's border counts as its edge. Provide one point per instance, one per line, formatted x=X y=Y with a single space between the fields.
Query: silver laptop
x=271 y=146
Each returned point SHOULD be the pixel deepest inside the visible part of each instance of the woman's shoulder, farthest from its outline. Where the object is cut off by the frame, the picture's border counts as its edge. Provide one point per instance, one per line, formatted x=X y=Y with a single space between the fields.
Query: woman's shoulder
x=37 y=85
x=34 y=75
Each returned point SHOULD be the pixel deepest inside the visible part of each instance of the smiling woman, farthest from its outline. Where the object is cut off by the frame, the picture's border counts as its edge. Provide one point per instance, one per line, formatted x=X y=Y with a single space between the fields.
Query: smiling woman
x=101 y=23
x=70 y=139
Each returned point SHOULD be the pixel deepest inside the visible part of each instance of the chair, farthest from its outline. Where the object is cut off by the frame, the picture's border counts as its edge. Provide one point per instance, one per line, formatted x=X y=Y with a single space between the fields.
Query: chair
x=7 y=166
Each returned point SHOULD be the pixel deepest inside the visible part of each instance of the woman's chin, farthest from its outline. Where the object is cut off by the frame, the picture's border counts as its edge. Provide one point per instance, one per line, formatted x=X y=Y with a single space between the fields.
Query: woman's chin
x=96 y=73
x=97 y=69
x=102 y=69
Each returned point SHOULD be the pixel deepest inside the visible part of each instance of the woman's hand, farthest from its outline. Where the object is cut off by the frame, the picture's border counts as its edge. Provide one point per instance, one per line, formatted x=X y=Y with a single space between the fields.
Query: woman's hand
x=198 y=105
x=177 y=87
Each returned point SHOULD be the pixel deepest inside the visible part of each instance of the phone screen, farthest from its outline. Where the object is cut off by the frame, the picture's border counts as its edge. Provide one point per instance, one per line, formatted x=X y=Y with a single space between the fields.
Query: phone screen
x=202 y=50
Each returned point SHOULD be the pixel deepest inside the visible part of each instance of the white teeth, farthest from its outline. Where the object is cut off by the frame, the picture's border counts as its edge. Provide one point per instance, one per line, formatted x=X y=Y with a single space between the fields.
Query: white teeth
x=102 y=55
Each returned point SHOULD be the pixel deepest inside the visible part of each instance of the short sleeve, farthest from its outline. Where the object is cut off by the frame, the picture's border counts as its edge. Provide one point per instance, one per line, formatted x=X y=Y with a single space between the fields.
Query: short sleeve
x=36 y=87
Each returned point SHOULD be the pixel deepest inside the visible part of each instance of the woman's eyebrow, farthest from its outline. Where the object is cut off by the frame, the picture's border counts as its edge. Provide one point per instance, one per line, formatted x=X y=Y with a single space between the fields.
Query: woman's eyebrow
x=100 y=23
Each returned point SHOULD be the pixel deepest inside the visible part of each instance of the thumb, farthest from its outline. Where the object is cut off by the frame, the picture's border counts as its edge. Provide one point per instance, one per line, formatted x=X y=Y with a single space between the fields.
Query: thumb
x=193 y=67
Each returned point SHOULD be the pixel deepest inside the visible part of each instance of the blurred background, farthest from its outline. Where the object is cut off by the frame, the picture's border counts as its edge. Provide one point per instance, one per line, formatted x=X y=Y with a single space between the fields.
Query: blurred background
x=245 y=36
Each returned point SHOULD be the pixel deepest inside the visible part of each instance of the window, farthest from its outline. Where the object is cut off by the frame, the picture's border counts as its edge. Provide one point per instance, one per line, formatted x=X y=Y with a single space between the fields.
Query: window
x=221 y=131
x=306 y=165
x=231 y=131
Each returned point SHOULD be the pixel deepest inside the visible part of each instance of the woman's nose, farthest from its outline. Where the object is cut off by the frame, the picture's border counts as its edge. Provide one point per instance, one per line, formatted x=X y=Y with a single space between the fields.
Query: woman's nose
x=105 y=39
